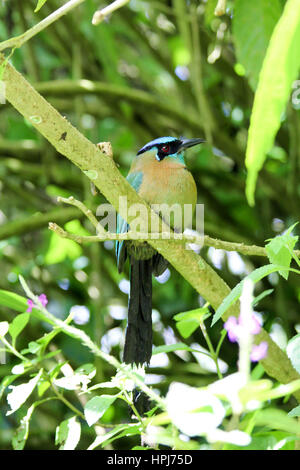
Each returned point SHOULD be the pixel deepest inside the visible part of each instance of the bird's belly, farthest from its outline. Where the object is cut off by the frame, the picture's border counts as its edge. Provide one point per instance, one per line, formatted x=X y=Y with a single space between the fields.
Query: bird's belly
x=172 y=193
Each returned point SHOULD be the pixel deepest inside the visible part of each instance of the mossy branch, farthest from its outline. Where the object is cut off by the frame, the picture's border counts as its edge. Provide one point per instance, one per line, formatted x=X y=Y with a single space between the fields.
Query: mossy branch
x=104 y=174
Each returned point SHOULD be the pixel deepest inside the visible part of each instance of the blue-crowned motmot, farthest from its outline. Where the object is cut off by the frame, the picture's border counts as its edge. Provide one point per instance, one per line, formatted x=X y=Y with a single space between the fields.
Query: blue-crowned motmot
x=159 y=175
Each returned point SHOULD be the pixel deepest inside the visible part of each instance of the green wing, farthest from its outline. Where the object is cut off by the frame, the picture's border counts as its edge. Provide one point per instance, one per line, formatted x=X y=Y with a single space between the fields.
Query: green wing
x=135 y=180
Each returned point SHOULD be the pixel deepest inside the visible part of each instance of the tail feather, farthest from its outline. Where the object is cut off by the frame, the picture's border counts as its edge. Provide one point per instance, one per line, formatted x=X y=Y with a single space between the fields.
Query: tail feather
x=138 y=341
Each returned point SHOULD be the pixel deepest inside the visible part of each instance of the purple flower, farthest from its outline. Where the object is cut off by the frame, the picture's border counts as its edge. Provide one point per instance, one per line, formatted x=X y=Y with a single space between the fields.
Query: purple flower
x=259 y=351
x=234 y=325
x=232 y=328
x=43 y=299
x=30 y=305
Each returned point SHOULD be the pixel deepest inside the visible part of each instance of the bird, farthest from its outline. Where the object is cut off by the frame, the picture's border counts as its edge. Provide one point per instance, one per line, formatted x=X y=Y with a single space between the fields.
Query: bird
x=159 y=175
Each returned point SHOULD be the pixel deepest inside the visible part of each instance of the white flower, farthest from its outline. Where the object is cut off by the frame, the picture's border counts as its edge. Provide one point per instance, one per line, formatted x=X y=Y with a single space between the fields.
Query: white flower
x=193 y=411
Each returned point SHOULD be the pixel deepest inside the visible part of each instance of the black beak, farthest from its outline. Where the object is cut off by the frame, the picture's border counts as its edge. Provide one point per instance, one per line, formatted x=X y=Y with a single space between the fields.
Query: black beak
x=187 y=143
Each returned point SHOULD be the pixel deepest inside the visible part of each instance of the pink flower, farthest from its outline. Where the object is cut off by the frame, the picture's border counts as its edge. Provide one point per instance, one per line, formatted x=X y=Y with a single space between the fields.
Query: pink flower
x=234 y=325
x=259 y=351
x=30 y=305
x=43 y=299
x=232 y=328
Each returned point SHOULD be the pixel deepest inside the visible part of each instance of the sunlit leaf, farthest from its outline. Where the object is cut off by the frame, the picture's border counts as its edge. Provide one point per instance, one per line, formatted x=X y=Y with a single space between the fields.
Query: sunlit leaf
x=236 y=292
x=279 y=70
x=280 y=250
x=253 y=24
x=19 y=393
x=67 y=434
x=96 y=407
x=295 y=412
x=188 y=322
x=40 y=3
x=18 y=324
x=21 y=435
x=115 y=433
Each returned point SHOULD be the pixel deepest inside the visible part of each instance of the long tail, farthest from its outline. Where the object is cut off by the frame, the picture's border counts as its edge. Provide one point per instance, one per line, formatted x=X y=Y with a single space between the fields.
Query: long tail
x=138 y=341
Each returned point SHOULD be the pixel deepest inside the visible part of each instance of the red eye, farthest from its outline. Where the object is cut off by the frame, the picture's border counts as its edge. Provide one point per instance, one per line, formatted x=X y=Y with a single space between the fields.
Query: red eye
x=165 y=148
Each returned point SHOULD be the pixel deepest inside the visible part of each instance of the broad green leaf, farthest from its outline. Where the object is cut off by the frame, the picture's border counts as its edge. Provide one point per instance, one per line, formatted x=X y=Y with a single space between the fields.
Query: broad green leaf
x=96 y=407
x=13 y=301
x=295 y=412
x=21 y=435
x=235 y=294
x=293 y=351
x=277 y=419
x=20 y=393
x=40 y=3
x=115 y=433
x=16 y=302
x=18 y=324
x=67 y=434
x=280 y=250
x=4 y=327
x=253 y=23
x=279 y=70
x=188 y=322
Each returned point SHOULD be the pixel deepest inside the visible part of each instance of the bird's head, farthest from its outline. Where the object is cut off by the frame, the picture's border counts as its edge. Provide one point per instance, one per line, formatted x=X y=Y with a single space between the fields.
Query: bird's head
x=168 y=147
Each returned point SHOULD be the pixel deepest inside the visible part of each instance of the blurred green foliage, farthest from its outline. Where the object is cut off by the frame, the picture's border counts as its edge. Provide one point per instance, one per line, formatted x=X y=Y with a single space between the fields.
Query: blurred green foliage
x=145 y=46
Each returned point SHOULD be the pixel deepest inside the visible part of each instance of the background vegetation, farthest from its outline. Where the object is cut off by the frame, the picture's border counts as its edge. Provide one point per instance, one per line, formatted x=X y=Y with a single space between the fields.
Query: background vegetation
x=150 y=69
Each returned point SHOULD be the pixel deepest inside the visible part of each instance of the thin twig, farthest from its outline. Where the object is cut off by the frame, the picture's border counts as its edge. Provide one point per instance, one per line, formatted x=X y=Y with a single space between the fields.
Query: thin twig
x=206 y=240
x=18 y=41
x=100 y=15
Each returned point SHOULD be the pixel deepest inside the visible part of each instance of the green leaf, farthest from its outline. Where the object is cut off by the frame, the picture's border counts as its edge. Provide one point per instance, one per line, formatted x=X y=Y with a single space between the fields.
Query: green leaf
x=21 y=435
x=295 y=412
x=5 y=382
x=20 y=393
x=115 y=433
x=280 y=250
x=293 y=351
x=235 y=294
x=277 y=419
x=67 y=434
x=18 y=324
x=96 y=407
x=253 y=23
x=166 y=348
x=188 y=322
x=261 y=296
x=39 y=5
x=279 y=70
x=17 y=302
x=13 y=301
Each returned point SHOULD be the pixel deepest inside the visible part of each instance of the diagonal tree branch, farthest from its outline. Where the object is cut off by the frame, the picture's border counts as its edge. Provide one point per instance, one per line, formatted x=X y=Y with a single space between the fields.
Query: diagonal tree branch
x=104 y=174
